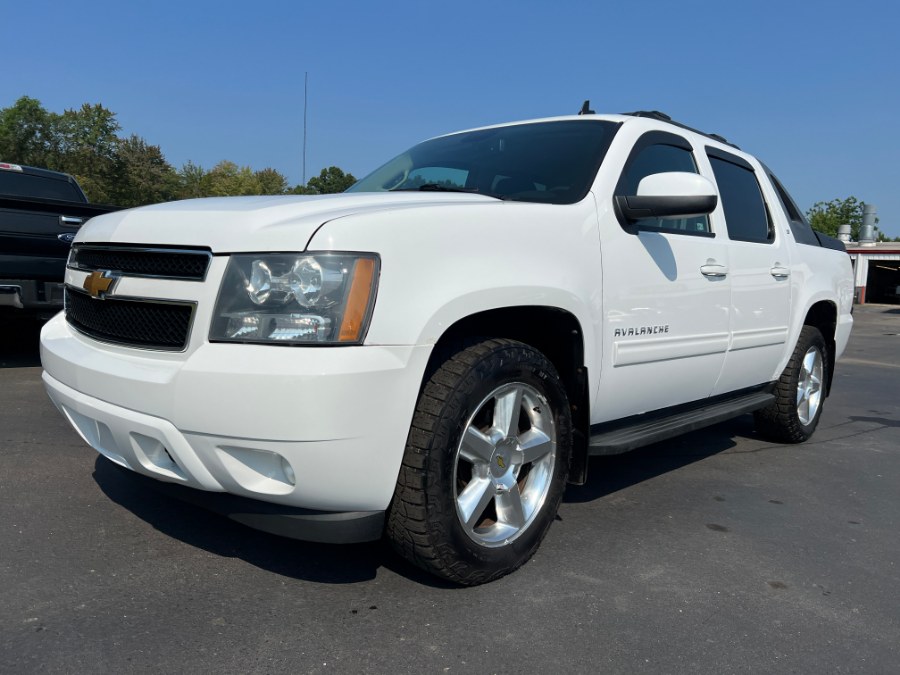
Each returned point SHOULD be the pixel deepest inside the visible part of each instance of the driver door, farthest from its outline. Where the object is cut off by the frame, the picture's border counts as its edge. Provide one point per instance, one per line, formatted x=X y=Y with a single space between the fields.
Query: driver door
x=666 y=297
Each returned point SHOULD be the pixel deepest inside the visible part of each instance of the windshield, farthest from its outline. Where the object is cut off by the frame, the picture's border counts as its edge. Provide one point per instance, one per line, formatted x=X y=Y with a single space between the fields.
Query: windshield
x=550 y=162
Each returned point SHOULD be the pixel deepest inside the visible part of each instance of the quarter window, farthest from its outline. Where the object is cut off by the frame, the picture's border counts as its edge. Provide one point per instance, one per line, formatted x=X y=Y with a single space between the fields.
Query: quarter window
x=803 y=233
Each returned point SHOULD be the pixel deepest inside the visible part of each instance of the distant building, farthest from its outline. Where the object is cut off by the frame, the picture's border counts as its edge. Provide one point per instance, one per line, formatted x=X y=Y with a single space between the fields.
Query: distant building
x=876 y=269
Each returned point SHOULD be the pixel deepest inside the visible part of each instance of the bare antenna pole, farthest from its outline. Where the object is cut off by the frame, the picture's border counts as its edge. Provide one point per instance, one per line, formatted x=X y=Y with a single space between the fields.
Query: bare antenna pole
x=305 y=89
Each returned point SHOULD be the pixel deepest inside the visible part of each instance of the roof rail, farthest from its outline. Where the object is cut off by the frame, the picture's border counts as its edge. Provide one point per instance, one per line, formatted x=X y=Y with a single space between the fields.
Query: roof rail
x=662 y=117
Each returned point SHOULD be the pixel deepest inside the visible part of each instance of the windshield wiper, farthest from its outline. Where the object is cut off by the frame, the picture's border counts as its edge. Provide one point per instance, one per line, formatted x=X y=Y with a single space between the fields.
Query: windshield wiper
x=438 y=187
x=435 y=187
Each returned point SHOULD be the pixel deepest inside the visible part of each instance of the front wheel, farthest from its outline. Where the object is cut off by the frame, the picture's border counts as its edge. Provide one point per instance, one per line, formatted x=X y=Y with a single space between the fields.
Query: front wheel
x=485 y=465
x=799 y=392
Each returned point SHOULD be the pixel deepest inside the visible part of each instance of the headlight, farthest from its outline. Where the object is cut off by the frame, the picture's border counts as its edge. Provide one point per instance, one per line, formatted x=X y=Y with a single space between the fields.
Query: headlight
x=298 y=298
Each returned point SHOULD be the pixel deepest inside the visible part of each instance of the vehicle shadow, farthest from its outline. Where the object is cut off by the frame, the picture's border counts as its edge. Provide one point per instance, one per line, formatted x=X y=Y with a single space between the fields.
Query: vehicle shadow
x=195 y=526
x=610 y=474
x=353 y=563
x=20 y=342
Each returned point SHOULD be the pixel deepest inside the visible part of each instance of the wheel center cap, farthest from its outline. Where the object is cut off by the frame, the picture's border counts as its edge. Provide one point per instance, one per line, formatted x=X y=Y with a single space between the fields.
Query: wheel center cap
x=502 y=457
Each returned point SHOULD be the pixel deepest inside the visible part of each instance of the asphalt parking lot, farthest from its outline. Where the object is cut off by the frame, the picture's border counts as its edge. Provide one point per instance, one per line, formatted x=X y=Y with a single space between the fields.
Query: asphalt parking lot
x=717 y=552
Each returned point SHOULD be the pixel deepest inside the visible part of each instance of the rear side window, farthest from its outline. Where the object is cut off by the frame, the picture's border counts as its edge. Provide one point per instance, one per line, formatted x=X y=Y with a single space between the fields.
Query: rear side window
x=745 y=210
x=660 y=152
x=15 y=184
x=801 y=229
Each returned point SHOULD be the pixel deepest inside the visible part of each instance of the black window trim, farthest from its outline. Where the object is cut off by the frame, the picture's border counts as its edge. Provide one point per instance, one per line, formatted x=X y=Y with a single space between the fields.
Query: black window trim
x=728 y=157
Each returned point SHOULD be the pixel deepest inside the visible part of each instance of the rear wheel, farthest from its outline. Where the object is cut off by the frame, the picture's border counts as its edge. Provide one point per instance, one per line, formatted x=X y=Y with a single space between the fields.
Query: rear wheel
x=485 y=464
x=799 y=393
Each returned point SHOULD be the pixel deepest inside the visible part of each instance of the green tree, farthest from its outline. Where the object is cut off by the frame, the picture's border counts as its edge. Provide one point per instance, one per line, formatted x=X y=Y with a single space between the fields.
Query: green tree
x=330 y=181
x=81 y=142
x=28 y=134
x=826 y=217
x=224 y=180
x=302 y=190
x=227 y=179
x=130 y=171
x=142 y=174
x=271 y=182
x=190 y=180
x=88 y=148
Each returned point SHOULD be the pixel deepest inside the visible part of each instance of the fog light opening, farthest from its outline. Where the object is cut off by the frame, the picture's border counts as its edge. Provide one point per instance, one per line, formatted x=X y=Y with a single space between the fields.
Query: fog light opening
x=288 y=472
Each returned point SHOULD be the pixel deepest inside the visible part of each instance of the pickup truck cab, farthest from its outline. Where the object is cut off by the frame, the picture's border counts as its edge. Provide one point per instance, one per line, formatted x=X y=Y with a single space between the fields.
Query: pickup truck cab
x=40 y=212
x=434 y=354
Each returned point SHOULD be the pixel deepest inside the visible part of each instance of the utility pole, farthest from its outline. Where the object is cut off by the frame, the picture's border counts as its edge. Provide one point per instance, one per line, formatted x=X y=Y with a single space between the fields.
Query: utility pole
x=305 y=89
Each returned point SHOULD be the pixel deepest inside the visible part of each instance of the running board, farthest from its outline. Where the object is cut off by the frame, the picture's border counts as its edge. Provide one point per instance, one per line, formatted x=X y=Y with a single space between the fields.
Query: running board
x=644 y=432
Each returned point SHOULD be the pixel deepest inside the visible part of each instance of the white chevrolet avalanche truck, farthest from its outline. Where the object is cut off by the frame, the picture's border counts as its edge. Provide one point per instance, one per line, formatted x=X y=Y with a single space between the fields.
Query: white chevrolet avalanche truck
x=432 y=355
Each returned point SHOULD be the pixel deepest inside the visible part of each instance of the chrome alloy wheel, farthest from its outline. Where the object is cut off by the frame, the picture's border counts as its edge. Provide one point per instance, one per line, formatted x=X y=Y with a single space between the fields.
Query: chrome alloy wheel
x=504 y=464
x=809 y=386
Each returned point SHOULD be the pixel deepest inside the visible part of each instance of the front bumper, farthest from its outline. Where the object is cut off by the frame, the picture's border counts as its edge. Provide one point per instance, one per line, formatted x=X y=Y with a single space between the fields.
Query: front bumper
x=327 y=527
x=319 y=429
x=31 y=294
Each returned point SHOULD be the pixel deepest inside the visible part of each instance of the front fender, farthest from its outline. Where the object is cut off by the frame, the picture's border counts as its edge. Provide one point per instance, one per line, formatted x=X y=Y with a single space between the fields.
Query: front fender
x=441 y=264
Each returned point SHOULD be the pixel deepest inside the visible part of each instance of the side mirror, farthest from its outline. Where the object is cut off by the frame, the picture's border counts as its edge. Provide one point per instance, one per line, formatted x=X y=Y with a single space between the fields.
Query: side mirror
x=673 y=194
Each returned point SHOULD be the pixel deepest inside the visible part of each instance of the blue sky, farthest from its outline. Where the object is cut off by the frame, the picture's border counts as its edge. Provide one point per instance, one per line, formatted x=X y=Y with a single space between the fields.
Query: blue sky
x=809 y=87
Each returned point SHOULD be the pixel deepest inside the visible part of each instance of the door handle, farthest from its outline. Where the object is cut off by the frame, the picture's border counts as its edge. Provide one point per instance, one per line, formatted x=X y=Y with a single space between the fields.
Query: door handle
x=714 y=270
x=780 y=272
x=70 y=221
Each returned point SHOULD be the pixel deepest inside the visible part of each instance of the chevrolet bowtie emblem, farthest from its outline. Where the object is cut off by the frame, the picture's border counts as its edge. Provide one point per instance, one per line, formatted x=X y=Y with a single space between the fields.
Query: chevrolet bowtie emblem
x=98 y=284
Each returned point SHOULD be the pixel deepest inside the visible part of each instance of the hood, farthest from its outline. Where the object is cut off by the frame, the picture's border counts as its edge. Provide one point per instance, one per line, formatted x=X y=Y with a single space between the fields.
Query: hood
x=234 y=224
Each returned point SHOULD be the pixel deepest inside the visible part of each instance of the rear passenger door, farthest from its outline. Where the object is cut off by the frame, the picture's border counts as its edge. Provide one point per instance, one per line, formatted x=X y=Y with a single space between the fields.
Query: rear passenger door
x=760 y=273
x=666 y=296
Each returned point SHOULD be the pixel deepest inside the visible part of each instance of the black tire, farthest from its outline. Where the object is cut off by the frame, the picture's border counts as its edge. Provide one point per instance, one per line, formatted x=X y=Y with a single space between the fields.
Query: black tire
x=468 y=393
x=786 y=420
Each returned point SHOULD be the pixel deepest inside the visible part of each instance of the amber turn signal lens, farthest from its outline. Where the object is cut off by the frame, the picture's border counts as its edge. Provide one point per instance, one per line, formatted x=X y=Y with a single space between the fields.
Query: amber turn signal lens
x=357 y=300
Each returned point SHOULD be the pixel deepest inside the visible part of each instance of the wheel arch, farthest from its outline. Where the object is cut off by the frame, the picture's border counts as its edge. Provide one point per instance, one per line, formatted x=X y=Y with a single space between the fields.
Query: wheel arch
x=823 y=316
x=556 y=333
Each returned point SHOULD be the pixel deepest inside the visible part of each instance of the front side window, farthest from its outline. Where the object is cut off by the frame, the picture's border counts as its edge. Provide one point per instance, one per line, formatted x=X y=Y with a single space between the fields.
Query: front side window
x=550 y=162
x=746 y=216
x=671 y=153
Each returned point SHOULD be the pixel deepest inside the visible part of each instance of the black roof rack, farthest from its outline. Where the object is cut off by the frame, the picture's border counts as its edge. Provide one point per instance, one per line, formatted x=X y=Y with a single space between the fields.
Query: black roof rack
x=662 y=117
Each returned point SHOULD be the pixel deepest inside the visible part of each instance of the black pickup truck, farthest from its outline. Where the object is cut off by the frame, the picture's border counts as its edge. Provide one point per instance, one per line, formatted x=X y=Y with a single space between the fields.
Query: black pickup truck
x=40 y=212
